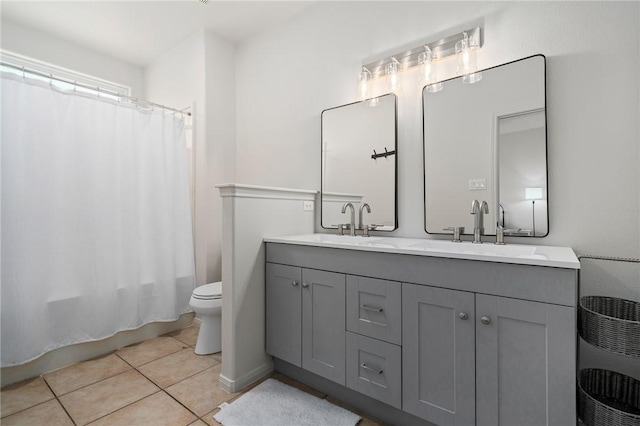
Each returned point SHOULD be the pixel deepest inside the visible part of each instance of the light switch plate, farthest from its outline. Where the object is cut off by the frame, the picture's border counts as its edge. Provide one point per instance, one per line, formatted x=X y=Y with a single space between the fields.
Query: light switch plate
x=477 y=184
x=307 y=206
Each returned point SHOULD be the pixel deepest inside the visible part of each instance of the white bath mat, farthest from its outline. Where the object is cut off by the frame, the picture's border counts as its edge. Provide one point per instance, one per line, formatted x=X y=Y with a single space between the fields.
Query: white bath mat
x=274 y=403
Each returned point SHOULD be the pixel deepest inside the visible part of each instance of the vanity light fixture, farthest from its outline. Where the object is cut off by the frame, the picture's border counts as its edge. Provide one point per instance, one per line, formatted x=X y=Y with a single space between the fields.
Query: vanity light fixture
x=392 y=69
x=466 y=52
x=427 y=75
x=425 y=55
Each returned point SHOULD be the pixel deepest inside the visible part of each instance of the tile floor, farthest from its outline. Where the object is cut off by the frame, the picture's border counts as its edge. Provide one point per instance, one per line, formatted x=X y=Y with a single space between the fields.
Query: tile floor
x=157 y=382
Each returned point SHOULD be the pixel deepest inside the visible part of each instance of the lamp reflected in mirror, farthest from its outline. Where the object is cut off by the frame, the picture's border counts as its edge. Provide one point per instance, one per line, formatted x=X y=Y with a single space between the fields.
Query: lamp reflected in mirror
x=533 y=194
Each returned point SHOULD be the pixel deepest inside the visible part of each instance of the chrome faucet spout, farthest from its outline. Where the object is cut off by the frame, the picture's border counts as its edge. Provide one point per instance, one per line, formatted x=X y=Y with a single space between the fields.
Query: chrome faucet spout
x=360 y=214
x=352 y=223
x=478 y=210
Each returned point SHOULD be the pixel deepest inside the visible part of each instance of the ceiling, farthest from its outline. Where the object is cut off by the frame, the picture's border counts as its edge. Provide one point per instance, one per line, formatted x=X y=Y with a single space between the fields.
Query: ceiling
x=139 y=31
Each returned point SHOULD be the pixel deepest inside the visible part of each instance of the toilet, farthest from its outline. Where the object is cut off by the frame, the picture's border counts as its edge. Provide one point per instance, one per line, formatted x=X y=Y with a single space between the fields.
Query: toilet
x=206 y=302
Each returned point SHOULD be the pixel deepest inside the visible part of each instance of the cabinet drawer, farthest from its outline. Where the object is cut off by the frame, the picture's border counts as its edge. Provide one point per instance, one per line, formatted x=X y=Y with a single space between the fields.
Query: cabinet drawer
x=373 y=368
x=374 y=308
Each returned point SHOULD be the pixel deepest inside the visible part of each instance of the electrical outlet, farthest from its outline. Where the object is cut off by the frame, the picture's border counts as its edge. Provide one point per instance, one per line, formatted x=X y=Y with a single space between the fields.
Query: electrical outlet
x=307 y=206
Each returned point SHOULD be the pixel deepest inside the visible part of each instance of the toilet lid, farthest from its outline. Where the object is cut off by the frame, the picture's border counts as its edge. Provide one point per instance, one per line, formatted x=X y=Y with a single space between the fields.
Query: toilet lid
x=208 y=291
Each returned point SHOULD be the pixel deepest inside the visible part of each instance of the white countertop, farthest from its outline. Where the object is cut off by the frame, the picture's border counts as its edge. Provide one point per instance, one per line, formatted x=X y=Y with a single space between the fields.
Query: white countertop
x=557 y=257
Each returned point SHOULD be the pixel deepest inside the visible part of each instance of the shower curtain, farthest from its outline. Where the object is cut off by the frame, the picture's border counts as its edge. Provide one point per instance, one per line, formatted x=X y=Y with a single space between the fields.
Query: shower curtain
x=95 y=218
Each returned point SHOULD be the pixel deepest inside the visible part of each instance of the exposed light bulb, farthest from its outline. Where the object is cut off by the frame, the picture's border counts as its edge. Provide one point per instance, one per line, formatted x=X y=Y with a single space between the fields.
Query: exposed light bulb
x=427 y=74
x=363 y=85
x=465 y=49
x=393 y=81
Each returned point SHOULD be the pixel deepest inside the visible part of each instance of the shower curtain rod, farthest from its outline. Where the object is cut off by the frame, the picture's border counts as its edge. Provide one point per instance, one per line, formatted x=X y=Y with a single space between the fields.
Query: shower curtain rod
x=96 y=88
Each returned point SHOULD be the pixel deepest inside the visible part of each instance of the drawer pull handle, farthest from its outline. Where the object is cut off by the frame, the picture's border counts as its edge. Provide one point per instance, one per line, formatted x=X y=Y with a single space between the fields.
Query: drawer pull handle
x=485 y=320
x=371 y=308
x=463 y=316
x=366 y=367
x=294 y=283
x=305 y=285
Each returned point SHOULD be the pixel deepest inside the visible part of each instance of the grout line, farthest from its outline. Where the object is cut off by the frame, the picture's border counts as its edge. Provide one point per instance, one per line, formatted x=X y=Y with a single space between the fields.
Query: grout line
x=178 y=401
x=58 y=399
x=85 y=386
x=124 y=406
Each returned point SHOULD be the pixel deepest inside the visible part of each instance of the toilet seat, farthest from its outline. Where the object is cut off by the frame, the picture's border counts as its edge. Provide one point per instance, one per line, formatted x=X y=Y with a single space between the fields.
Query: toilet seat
x=211 y=291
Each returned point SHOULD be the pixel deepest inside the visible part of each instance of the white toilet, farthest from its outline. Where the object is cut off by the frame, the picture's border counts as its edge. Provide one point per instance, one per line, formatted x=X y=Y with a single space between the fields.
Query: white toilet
x=206 y=302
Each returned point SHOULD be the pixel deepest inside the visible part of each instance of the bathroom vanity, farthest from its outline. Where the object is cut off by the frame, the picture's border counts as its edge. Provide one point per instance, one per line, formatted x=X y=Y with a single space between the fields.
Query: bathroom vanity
x=450 y=333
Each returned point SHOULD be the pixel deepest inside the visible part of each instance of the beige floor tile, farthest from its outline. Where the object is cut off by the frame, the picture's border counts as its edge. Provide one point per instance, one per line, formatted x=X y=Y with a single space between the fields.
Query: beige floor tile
x=208 y=418
x=45 y=414
x=22 y=395
x=198 y=422
x=176 y=367
x=217 y=356
x=150 y=350
x=158 y=409
x=294 y=383
x=102 y=398
x=188 y=335
x=85 y=373
x=201 y=393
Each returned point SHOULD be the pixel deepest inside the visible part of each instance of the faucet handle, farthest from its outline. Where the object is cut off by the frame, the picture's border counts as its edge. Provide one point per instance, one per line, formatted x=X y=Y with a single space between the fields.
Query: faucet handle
x=341 y=227
x=457 y=230
x=367 y=229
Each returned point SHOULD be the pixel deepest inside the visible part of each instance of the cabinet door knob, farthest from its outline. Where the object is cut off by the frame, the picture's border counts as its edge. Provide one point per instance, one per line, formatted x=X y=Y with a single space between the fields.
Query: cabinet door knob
x=463 y=316
x=305 y=285
x=485 y=320
x=294 y=283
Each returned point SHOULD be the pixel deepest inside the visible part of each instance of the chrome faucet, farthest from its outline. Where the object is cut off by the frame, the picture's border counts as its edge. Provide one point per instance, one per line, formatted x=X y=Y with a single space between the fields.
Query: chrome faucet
x=478 y=209
x=352 y=223
x=360 y=213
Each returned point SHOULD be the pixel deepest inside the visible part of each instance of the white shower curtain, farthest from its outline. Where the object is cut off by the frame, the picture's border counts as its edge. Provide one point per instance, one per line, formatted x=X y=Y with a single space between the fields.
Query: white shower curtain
x=95 y=214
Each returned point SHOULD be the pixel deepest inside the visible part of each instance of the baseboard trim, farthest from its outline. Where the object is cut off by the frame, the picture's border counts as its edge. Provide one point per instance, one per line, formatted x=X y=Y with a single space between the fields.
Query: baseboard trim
x=242 y=382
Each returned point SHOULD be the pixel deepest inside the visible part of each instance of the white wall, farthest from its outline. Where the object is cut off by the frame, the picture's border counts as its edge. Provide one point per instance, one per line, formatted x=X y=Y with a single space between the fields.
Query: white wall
x=177 y=78
x=200 y=71
x=250 y=214
x=43 y=47
x=286 y=77
x=220 y=92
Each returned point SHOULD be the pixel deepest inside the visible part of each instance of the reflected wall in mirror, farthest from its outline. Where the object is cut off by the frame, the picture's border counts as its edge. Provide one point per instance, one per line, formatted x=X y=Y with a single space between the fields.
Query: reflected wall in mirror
x=359 y=163
x=487 y=142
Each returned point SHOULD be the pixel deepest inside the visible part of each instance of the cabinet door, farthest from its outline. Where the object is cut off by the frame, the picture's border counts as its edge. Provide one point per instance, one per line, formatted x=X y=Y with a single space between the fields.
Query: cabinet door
x=438 y=354
x=323 y=324
x=525 y=362
x=284 y=312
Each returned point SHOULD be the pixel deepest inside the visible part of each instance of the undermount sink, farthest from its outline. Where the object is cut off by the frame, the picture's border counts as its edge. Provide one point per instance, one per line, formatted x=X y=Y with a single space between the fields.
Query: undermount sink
x=488 y=249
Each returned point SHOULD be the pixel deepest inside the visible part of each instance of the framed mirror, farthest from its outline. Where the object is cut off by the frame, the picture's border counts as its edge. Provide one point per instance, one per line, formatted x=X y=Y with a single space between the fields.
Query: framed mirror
x=359 y=163
x=487 y=141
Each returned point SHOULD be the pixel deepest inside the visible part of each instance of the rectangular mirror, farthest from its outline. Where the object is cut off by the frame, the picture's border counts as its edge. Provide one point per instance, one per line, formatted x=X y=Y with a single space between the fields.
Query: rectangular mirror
x=359 y=163
x=487 y=141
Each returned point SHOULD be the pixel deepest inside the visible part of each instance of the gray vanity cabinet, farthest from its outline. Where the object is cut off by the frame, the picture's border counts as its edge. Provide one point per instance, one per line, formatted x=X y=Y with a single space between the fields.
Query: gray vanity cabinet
x=284 y=312
x=323 y=324
x=305 y=319
x=525 y=362
x=448 y=341
x=438 y=354
x=486 y=360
